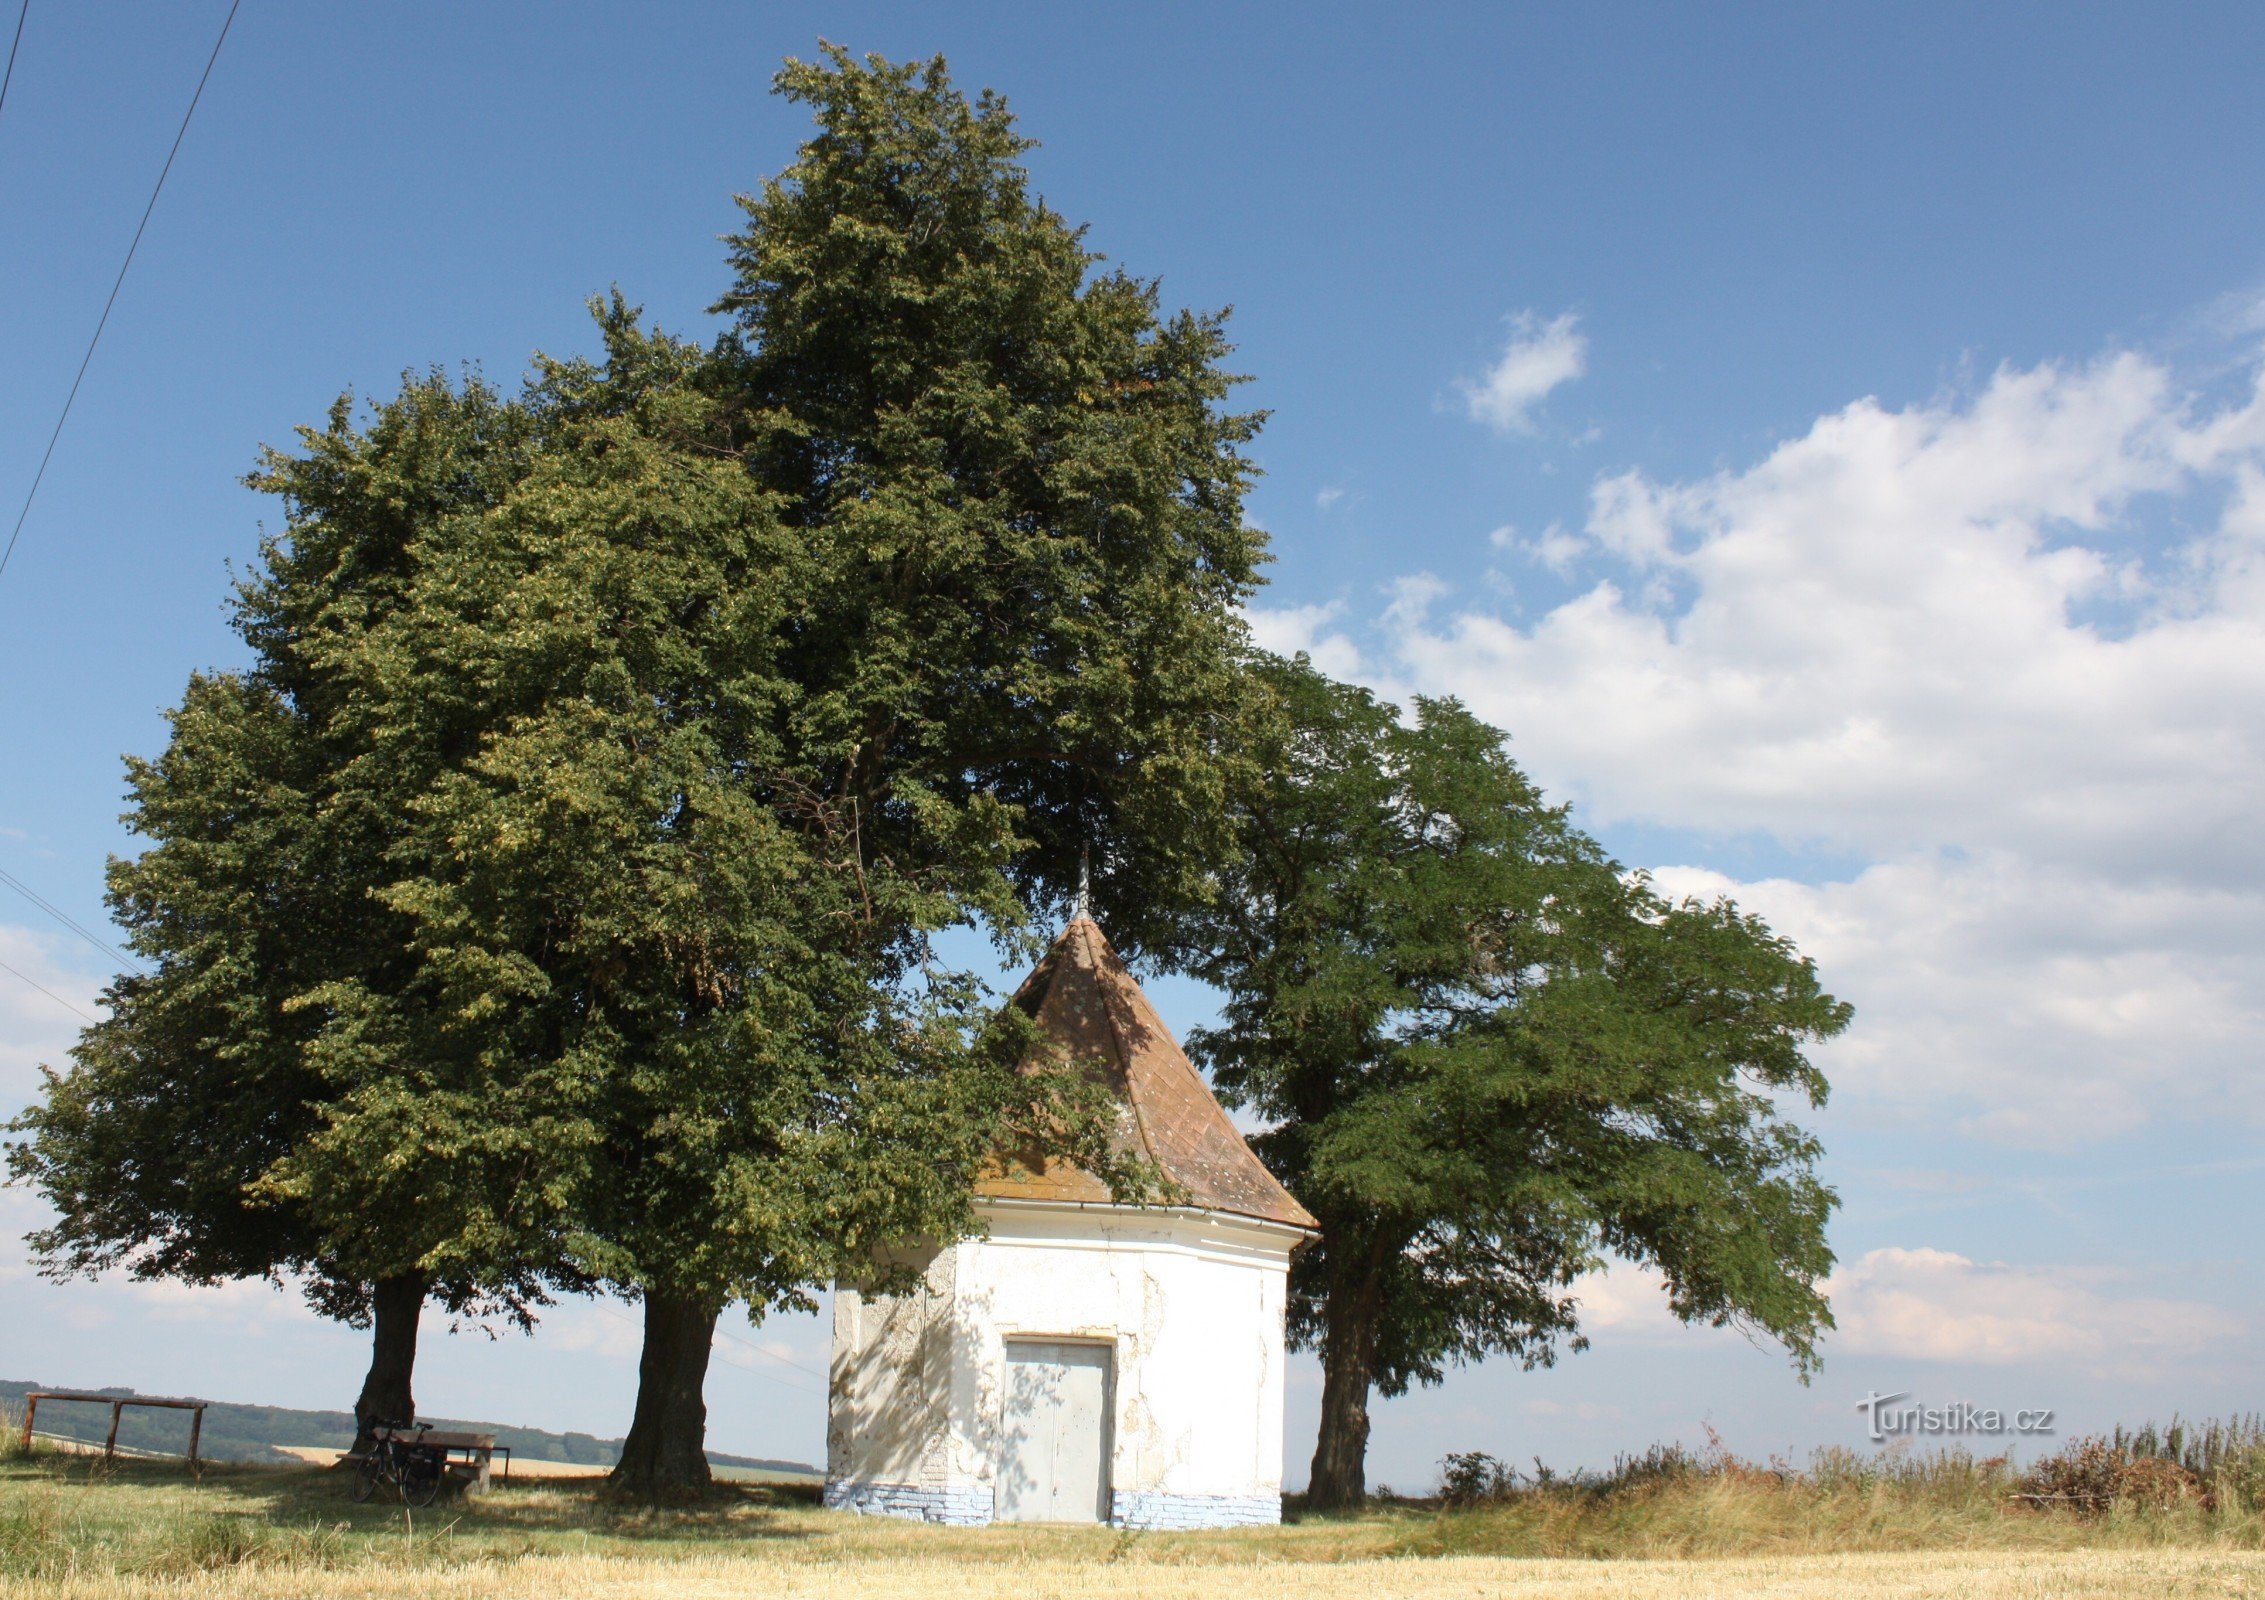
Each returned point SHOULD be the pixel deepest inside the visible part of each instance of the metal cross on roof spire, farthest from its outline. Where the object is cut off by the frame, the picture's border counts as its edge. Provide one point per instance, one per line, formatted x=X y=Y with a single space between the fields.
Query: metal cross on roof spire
x=1084 y=883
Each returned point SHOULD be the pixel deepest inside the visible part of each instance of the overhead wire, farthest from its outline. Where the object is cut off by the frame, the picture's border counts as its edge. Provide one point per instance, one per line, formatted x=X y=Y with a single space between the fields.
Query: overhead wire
x=104 y=321
x=9 y=76
x=767 y=1355
x=24 y=889
x=50 y=993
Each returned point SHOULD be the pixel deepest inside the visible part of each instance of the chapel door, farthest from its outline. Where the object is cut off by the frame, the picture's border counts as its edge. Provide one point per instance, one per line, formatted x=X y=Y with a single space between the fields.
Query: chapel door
x=1054 y=1460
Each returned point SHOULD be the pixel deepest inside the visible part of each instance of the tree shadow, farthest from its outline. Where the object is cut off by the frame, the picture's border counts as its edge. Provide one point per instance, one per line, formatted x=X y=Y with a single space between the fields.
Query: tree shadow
x=291 y=1498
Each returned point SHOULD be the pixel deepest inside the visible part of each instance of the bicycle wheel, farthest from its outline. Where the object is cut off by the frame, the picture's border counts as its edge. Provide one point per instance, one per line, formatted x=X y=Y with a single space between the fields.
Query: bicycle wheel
x=368 y=1472
x=421 y=1480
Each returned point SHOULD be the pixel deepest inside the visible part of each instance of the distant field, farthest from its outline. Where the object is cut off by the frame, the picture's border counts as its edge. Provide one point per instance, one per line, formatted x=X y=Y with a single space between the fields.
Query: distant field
x=72 y=1529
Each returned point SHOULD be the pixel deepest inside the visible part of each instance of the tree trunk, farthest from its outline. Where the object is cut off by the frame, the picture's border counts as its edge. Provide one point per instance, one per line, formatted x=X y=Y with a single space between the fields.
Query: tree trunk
x=395 y=1305
x=1350 y=1314
x=665 y=1456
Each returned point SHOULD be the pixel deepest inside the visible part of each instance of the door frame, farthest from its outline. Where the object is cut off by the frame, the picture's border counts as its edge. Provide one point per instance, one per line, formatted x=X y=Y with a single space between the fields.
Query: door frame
x=1107 y=1344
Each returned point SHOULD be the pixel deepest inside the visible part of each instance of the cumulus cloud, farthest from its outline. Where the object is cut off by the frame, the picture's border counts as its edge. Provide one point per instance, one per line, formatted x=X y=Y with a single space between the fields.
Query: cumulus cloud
x=1924 y=1304
x=2029 y=1004
x=1286 y=630
x=2007 y=649
x=1933 y=1305
x=1539 y=357
x=1879 y=635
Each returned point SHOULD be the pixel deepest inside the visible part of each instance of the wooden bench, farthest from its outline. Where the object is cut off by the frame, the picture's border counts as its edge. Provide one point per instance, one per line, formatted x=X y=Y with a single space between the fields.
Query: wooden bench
x=117 y=1404
x=478 y=1451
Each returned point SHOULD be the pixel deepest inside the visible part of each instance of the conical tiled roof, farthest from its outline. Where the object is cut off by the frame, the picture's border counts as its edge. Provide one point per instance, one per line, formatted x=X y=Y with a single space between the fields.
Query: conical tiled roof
x=1090 y=1008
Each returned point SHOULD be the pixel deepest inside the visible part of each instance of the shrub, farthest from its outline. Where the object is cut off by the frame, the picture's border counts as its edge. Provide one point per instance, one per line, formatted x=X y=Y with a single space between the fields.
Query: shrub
x=1472 y=1477
x=2219 y=1465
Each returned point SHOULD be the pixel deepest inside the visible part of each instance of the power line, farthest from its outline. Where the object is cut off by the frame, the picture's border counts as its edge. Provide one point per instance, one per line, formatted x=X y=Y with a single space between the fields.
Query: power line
x=8 y=77
x=64 y=918
x=773 y=1355
x=726 y=1333
x=50 y=993
x=104 y=321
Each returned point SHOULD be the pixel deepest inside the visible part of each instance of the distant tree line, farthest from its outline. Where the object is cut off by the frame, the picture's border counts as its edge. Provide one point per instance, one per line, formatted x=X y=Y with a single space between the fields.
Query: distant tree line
x=551 y=905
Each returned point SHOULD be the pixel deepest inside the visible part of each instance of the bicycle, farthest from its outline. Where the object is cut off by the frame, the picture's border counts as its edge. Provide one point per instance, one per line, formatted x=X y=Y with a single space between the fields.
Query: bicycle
x=400 y=1458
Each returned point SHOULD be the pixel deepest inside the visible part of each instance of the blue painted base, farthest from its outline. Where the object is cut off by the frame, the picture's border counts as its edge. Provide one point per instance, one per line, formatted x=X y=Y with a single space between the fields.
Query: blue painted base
x=964 y=1507
x=971 y=1506
x=1152 y=1510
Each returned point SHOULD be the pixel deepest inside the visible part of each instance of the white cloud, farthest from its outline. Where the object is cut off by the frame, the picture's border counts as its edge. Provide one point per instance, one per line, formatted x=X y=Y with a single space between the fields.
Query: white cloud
x=1628 y=1301
x=1932 y=1305
x=2028 y=1004
x=1326 y=499
x=1539 y=357
x=1553 y=547
x=248 y=1306
x=599 y=1326
x=1876 y=635
x=1955 y=642
x=1286 y=630
x=1924 y=1304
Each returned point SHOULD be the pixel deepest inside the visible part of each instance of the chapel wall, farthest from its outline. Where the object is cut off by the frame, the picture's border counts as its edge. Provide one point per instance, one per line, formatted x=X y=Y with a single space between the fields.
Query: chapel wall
x=1193 y=1313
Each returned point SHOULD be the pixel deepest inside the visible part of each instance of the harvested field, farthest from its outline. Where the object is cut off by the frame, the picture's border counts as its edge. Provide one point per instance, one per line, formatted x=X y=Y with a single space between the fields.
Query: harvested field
x=71 y=1527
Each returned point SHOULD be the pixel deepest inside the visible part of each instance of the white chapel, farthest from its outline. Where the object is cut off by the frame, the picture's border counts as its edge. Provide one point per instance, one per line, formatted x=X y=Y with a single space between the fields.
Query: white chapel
x=1086 y=1361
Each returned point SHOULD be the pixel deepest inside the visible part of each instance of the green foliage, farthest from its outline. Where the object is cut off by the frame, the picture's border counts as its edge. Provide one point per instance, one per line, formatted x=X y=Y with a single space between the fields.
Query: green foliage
x=651 y=1023
x=1489 y=1056
x=1014 y=476
x=552 y=902
x=272 y=818
x=1469 y=1477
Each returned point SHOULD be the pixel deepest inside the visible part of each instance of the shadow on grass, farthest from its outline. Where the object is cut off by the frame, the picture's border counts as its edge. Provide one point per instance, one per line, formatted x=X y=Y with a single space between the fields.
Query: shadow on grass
x=297 y=1496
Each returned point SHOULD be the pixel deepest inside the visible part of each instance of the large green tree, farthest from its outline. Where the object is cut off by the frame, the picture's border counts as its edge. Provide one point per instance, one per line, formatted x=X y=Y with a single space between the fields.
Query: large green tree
x=1022 y=491
x=670 y=967
x=1004 y=578
x=1013 y=497
x=272 y=818
x=1490 y=1058
x=656 y=747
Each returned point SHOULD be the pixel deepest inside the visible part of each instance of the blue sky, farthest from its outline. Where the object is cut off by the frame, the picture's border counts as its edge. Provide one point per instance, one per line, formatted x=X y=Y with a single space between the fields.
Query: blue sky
x=1826 y=438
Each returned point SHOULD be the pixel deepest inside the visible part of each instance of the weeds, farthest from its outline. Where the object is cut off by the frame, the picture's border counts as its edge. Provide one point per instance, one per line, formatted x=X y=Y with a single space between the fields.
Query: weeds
x=2151 y=1486
x=2218 y=1465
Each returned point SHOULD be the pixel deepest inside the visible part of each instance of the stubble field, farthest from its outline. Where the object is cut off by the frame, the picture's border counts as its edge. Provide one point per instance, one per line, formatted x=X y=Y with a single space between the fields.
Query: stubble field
x=72 y=1529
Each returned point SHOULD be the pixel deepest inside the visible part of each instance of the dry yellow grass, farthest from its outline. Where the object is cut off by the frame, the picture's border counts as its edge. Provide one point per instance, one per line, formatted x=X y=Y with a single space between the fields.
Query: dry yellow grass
x=2078 y=1575
x=73 y=1529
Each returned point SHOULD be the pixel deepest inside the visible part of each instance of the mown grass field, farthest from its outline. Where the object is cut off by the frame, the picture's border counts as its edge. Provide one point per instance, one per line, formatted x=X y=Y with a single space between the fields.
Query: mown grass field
x=70 y=1527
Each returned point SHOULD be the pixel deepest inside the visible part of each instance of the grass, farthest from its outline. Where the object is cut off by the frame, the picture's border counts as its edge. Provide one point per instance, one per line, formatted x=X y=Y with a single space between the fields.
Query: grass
x=1844 y=1529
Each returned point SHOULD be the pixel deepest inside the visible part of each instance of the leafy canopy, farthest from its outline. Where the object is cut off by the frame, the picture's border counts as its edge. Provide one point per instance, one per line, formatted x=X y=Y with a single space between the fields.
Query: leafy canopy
x=1490 y=1056
x=1023 y=496
x=273 y=817
x=554 y=899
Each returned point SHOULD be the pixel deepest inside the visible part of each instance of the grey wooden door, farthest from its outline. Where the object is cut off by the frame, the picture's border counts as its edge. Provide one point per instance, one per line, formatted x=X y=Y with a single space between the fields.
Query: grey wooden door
x=1054 y=1456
